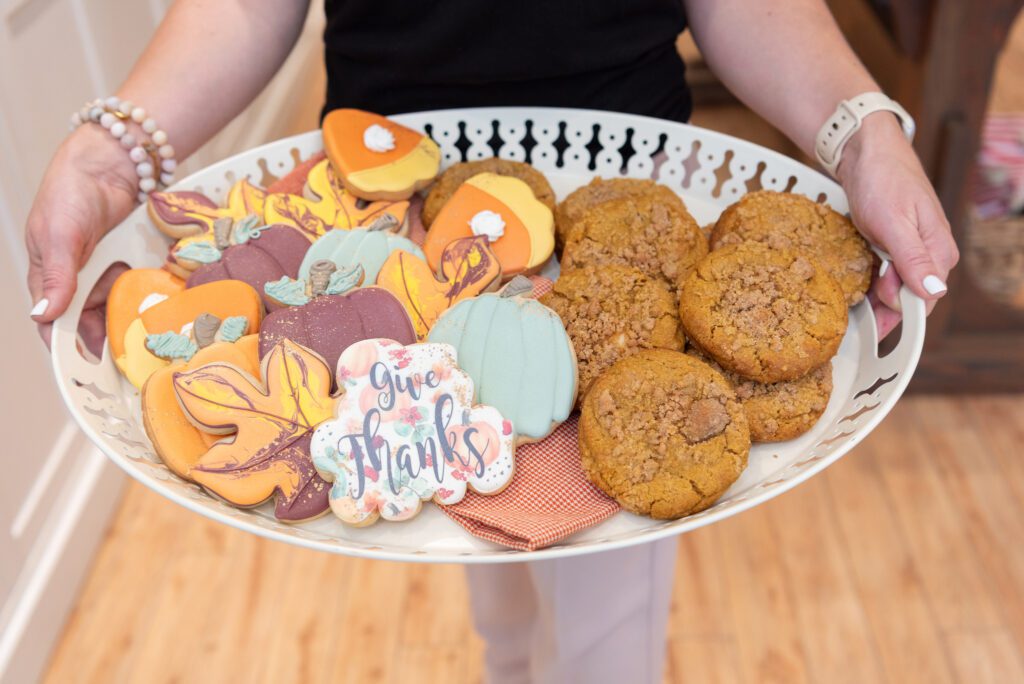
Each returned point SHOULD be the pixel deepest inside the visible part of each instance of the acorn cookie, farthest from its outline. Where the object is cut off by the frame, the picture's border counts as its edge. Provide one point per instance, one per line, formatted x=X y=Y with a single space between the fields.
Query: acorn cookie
x=659 y=238
x=767 y=314
x=449 y=181
x=663 y=434
x=780 y=410
x=600 y=190
x=611 y=312
x=784 y=220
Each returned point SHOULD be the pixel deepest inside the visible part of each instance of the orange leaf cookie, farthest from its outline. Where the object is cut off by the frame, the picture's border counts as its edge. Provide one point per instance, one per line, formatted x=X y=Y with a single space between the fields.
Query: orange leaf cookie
x=504 y=210
x=327 y=205
x=178 y=442
x=274 y=419
x=467 y=266
x=223 y=300
x=377 y=158
x=133 y=292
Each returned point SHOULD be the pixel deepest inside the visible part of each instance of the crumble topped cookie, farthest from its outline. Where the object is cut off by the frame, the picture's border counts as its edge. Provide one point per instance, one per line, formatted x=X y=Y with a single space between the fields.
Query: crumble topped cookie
x=780 y=410
x=611 y=312
x=600 y=190
x=659 y=238
x=785 y=220
x=663 y=434
x=449 y=181
x=766 y=314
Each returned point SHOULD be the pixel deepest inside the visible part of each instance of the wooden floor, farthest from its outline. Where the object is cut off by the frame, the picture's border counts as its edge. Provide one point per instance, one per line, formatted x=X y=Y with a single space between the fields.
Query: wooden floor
x=904 y=562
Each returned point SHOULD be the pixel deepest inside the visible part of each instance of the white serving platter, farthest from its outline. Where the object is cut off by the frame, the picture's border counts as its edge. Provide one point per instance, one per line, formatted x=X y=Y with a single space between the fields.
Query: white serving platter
x=708 y=169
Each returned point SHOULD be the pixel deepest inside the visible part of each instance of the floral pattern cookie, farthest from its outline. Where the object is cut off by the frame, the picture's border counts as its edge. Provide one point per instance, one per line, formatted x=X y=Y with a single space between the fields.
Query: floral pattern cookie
x=405 y=431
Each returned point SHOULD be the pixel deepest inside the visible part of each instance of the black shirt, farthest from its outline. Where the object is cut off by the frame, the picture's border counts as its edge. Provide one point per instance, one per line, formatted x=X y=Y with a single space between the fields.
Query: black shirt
x=393 y=56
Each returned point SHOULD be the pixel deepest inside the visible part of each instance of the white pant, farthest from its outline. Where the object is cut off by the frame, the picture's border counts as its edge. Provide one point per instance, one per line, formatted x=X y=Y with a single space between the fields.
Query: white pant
x=593 y=619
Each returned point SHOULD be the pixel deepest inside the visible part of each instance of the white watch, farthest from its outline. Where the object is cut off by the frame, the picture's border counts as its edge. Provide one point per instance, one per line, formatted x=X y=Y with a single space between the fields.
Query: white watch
x=841 y=126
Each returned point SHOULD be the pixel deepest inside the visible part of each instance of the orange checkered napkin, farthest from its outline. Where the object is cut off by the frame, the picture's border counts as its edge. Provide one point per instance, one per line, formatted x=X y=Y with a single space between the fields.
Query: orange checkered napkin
x=548 y=499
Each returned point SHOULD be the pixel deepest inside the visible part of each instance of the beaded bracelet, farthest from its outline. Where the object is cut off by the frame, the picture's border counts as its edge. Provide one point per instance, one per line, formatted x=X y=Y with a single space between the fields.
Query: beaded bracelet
x=153 y=158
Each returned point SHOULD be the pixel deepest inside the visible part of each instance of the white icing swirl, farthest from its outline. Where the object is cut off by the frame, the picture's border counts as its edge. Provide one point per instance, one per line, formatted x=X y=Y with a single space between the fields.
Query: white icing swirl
x=487 y=223
x=152 y=299
x=378 y=139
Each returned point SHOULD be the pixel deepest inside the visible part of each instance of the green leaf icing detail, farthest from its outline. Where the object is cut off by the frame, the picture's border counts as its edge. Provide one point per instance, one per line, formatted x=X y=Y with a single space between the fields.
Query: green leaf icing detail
x=200 y=252
x=288 y=291
x=233 y=328
x=171 y=345
x=344 y=280
x=246 y=229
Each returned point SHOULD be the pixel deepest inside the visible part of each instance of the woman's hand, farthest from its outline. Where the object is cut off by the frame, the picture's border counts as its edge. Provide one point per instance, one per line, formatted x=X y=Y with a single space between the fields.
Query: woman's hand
x=893 y=204
x=89 y=187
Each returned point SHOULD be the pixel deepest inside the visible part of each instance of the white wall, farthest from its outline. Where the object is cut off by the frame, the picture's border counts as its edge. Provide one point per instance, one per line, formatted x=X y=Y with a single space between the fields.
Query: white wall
x=56 y=492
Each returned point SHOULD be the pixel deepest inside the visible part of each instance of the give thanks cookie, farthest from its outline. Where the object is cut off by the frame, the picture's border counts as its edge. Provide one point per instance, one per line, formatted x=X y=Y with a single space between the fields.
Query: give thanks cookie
x=406 y=430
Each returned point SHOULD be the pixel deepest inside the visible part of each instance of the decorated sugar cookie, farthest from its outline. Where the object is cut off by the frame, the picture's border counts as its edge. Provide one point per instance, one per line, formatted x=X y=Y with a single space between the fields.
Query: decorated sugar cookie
x=133 y=292
x=182 y=213
x=224 y=299
x=406 y=430
x=377 y=158
x=274 y=418
x=518 y=354
x=263 y=255
x=329 y=312
x=503 y=209
x=176 y=440
x=467 y=266
x=367 y=247
x=326 y=205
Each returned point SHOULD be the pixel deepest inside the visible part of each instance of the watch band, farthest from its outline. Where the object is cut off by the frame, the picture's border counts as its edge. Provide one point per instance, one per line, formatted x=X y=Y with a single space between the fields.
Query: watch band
x=847 y=119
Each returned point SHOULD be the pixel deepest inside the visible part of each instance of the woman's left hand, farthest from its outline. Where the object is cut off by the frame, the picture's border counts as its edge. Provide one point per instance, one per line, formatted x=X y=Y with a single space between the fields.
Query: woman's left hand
x=893 y=204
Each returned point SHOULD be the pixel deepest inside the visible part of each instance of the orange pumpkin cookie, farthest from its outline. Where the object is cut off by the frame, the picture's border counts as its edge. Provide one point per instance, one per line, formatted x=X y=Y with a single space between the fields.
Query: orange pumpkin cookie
x=468 y=267
x=503 y=209
x=274 y=419
x=326 y=205
x=223 y=299
x=133 y=292
x=178 y=442
x=377 y=158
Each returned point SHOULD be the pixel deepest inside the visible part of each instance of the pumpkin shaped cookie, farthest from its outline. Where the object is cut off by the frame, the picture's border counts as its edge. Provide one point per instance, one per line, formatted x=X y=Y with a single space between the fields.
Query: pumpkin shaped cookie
x=224 y=299
x=468 y=267
x=269 y=253
x=329 y=312
x=519 y=228
x=377 y=158
x=176 y=440
x=367 y=247
x=518 y=354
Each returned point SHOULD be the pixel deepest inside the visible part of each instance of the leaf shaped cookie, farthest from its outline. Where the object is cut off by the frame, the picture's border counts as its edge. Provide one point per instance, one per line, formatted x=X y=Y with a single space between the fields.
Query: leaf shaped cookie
x=468 y=267
x=274 y=419
x=327 y=205
x=180 y=214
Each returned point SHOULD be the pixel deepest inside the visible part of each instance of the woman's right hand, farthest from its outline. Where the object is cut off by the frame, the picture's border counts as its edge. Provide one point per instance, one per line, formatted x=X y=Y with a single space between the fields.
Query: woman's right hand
x=89 y=187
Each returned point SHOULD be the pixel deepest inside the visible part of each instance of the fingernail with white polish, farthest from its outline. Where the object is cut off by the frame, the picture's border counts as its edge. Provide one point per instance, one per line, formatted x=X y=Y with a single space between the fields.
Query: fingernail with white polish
x=933 y=285
x=884 y=268
x=40 y=308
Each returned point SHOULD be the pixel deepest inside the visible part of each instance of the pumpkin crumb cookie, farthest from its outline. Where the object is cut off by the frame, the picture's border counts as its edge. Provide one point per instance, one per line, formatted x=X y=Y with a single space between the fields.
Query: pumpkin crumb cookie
x=449 y=181
x=766 y=314
x=612 y=312
x=600 y=190
x=780 y=410
x=659 y=238
x=663 y=434
x=785 y=220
